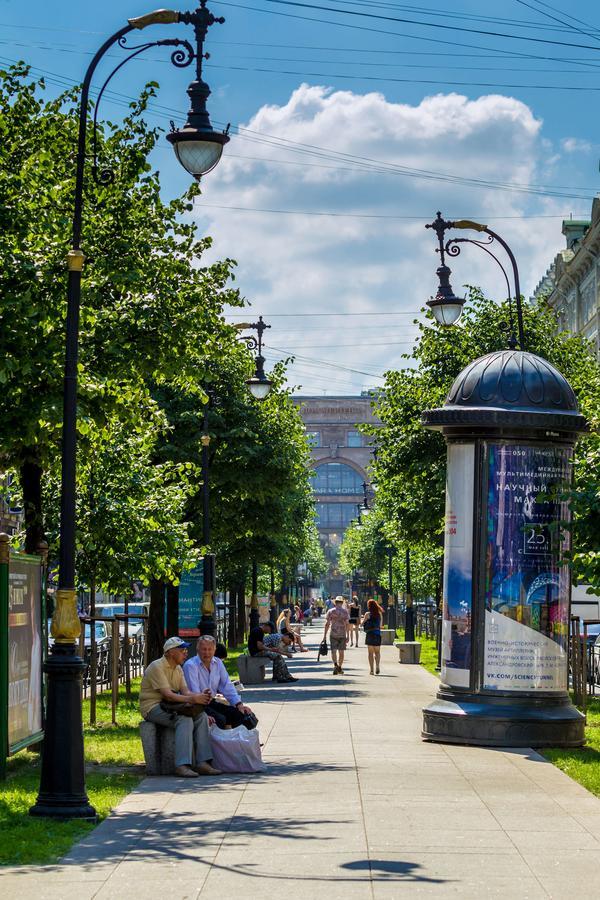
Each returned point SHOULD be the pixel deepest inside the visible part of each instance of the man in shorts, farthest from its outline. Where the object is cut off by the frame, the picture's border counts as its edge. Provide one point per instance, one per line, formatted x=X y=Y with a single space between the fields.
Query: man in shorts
x=337 y=621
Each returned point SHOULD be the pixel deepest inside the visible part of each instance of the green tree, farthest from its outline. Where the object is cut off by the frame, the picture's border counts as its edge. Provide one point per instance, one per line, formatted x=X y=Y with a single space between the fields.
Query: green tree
x=149 y=313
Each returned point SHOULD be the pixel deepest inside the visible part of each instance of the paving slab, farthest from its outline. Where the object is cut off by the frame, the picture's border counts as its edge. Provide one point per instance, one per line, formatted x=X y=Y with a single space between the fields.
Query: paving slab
x=353 y=804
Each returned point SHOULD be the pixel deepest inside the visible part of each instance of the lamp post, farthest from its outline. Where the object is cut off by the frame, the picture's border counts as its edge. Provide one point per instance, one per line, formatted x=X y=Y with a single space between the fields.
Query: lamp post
x=510 y=421
x=199 y=147
x=254 y=614
x=409 y=612
x=260 y=387
x=207 y=620
x=391 y=598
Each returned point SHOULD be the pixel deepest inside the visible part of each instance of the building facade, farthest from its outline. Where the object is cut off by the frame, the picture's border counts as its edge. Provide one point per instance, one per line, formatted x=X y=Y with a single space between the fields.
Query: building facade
x=341 y=457
x=572 y=283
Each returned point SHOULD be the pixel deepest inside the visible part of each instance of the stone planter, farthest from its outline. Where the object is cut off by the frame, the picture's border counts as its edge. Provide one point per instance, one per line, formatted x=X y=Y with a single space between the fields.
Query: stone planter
x=410 y=652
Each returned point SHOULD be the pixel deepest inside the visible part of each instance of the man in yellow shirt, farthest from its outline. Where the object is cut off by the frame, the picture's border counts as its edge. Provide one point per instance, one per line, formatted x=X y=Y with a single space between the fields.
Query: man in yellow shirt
x=163 y=680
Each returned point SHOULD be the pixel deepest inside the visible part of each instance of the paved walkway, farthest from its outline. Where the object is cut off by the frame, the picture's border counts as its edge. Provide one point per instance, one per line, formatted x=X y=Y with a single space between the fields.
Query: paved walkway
x=353 y=805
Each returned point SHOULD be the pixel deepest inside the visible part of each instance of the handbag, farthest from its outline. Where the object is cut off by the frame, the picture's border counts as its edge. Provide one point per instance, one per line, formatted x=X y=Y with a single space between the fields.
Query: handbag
x=182 y=709
x=323 y=649
x=249 y=721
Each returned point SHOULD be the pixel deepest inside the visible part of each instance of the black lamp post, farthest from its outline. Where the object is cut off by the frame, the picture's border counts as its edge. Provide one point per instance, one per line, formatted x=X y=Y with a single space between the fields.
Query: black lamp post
x=207 y=620
x=254 y=614
x=62 y=791
x=409 y=612
x=259 y=385
x=391 y=598
x=510 y=421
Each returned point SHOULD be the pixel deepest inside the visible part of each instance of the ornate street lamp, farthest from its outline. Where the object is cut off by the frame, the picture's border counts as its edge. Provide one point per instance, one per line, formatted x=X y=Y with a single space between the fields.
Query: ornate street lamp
x=445 y=306
x=510 y=421
x=62 y=791
x=259 y=385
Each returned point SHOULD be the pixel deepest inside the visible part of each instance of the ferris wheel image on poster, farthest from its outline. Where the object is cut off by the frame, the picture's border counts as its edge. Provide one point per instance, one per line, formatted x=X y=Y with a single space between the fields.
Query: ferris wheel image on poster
x=526 y=581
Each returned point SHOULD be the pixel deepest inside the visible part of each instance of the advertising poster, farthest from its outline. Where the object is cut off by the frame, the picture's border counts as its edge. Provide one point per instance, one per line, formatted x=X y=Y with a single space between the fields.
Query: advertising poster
x=191 y=588
x=526 y=589
x=24 y=652
x=458 y=565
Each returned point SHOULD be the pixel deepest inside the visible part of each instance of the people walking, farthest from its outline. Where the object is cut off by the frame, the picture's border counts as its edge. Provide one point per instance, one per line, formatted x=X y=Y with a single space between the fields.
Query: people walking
x=337 y=620
x=354 y=613
x=371 y=622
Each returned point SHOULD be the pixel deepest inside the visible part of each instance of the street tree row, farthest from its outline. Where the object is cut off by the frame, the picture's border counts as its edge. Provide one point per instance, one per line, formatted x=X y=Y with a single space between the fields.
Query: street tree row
x=155 y=348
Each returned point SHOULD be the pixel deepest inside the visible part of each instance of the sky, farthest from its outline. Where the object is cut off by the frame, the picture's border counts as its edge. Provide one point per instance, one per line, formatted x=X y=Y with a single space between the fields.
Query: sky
x=352 y=123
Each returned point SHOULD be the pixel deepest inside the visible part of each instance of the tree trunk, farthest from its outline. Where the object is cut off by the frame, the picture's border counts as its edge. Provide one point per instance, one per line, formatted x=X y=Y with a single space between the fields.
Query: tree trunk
x=156 y=626
x=172 y=609
x=232 y=630
x=31 y=485
x=241 y=612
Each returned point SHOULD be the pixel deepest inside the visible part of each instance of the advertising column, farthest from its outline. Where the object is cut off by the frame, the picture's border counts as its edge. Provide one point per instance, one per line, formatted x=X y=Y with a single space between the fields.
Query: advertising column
x=458 y=566
x=527 y=586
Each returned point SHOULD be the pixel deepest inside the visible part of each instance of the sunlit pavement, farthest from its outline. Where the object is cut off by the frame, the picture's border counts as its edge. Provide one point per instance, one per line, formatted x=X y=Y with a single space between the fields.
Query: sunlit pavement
x=353 y=804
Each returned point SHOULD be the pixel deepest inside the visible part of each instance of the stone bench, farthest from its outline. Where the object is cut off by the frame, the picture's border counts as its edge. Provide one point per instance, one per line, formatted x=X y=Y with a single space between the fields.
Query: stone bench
x=158 y=744
x=251 y=669
x=410 y=652
x=387 y=636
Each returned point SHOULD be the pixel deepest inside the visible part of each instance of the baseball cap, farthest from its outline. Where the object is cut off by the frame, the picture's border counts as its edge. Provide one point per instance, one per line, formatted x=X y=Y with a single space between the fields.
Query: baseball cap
x=173 y=643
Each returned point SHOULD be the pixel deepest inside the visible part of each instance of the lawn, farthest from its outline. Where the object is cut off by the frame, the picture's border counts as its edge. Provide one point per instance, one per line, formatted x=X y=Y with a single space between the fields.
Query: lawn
x=114 y=751
x=114 y=764
x=582 y=765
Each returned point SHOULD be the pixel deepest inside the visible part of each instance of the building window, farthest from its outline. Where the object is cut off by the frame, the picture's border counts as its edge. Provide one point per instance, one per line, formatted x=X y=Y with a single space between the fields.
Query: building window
x=313 y=438
x=354 y=439
x=336 y=478
x=335 y=515
x=588 y=301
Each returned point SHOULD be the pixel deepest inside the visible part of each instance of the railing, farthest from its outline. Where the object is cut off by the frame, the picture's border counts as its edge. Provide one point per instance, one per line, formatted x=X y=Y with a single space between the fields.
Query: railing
x=584 y=663
x=114 y=661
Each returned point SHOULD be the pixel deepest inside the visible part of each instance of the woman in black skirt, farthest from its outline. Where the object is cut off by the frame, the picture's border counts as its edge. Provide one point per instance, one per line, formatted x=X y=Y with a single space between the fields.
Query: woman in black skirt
x=371 y=622
x=354 y=611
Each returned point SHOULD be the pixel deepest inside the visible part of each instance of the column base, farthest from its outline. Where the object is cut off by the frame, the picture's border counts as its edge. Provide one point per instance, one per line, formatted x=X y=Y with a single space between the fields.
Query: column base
x=485 y=721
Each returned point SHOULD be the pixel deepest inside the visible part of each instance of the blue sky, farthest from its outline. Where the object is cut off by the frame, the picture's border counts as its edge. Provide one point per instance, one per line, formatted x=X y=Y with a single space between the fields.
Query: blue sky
x=396 y=119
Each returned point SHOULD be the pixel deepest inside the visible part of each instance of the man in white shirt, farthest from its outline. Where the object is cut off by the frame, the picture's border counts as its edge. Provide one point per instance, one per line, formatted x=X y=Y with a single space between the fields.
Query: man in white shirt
x=205 y=672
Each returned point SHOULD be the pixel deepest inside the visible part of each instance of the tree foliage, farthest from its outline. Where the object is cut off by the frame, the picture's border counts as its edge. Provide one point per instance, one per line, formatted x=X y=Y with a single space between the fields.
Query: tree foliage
x=153 y=341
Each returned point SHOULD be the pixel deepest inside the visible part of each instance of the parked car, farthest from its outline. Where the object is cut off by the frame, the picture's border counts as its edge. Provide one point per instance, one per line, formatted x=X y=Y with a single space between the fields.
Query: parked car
x=135 y=626
x=102 y=634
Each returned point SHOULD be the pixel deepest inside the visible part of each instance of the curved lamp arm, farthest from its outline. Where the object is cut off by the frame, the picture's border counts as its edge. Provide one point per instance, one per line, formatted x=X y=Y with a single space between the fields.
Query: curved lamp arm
x=445 y=293
x=468 y=224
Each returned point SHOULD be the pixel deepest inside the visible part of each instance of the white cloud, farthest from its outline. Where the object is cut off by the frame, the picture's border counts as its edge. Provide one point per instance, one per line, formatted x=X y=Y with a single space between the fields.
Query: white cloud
x=575 y=145
x=295 y=263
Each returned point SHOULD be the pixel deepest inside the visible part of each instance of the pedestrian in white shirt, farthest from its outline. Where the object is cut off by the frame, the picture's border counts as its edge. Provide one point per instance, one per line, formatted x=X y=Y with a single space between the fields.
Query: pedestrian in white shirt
x=205 y=672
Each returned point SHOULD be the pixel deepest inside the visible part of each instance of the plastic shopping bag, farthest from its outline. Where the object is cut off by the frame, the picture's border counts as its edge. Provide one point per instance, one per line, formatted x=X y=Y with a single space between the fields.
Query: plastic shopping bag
x=236 y=749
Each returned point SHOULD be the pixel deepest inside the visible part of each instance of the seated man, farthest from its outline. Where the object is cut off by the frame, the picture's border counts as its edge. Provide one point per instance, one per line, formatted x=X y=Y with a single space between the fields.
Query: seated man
x=282 y=641
x=256 y=647
x=163 y=680
x=205 y=672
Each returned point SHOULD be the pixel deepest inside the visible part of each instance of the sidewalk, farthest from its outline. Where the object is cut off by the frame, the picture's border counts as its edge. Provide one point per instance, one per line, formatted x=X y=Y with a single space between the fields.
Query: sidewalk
x=353 y=805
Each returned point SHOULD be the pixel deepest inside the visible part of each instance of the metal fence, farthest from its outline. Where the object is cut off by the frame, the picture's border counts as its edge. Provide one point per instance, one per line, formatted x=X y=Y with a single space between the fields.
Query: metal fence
x=113 y=661
x=584 y=661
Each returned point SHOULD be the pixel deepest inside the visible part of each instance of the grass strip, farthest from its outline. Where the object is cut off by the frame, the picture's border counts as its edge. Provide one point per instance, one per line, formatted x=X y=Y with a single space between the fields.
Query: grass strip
x=115 y=750
x=112 y=754
x=582 y=764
